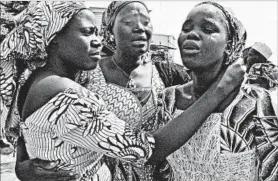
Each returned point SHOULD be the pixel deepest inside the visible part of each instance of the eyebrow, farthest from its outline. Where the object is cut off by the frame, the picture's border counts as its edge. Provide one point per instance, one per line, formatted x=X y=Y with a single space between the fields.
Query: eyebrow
x=209 y=21
x=136 y=14
x=89 y=27
x=187 y=22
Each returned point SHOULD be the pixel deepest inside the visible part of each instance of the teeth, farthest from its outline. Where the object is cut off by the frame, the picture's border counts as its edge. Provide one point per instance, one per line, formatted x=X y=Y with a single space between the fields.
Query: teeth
x=97 y=53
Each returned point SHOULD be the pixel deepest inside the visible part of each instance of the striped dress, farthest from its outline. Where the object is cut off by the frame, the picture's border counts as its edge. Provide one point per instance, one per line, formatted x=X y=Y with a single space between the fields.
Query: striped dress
x=75 y=128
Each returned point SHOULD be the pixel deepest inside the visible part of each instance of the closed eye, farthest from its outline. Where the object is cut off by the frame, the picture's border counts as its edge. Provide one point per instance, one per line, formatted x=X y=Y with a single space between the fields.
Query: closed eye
x=187 y=26
x=209 y=27
x=146 y=23
x=208 y=30
x=89 y=31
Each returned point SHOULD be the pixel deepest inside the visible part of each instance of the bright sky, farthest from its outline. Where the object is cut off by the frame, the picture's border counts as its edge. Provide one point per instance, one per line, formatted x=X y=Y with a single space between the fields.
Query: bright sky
x=258 y=17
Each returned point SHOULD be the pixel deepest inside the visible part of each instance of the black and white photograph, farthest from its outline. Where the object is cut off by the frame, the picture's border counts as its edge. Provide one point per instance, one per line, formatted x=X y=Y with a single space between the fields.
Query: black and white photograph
x=138 y=90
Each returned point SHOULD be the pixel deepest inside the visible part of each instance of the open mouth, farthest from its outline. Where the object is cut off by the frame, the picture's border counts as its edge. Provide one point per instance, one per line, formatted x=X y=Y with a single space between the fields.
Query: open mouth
x=139 y=39
x=190 y=48
x=139 y=42
x=95 y=53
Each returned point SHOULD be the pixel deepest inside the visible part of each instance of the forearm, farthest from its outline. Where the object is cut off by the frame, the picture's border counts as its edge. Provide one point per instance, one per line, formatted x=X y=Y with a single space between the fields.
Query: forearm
x=21 y=156
x=179 y=131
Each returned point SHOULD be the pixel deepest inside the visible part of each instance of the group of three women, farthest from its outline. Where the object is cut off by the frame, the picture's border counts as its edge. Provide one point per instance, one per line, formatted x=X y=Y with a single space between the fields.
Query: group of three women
x=123 y=122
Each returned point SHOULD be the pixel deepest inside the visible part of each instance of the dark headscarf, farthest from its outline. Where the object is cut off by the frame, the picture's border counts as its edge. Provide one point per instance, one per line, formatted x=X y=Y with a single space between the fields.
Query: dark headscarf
x=236 y=33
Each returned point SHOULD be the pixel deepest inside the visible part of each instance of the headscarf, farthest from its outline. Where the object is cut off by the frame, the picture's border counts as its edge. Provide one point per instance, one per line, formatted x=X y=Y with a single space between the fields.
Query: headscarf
x=24 y=48
x=236 y=33
x=108 y=21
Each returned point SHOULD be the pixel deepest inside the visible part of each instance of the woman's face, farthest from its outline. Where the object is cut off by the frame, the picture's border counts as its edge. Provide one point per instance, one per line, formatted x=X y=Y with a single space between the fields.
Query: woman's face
x=203 y=38
x=133 y=29
x=78 y=44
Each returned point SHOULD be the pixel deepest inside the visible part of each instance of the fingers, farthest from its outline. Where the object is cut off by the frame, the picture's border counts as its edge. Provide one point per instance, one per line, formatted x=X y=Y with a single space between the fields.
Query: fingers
x=239 y=63
x=47 y=165
x=60 y=175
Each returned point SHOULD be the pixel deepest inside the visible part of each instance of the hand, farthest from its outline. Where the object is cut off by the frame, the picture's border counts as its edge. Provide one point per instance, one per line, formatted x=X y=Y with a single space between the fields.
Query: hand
x=232 y=77
x=36 y=169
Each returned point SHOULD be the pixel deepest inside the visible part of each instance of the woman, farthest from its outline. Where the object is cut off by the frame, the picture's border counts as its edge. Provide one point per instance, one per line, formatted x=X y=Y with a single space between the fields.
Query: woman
x=130 y=73
x=239 y=140
x=110 y=91
x=66 y=122
x=127 y=81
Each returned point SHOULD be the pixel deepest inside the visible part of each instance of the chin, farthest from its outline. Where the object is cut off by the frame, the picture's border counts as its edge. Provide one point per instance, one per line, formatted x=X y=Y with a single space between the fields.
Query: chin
x=90 y=66
x=189 y=62
x=141 y=51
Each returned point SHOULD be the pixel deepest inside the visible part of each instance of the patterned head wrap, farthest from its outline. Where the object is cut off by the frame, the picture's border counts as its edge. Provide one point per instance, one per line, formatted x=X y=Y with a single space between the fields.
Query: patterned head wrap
x=24 y=48
x=108 y=20
x=236 y=33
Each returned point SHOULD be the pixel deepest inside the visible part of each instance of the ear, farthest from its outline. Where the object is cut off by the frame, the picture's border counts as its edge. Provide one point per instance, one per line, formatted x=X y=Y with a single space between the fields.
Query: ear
x=53 y=44
x=228 y=47
x=54 y=41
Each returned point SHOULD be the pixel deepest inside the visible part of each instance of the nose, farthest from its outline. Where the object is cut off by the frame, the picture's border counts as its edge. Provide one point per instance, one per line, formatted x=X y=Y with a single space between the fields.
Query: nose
x=193 y=35
x=139 y=28
x=95 y=43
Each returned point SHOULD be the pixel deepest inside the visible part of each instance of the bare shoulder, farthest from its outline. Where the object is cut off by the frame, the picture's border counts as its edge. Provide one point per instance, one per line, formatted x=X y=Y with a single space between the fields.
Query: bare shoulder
x=43 y=90
x=52 y=85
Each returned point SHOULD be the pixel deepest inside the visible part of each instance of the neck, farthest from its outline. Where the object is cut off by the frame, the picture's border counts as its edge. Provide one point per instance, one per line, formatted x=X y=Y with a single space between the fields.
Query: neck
x=127 y=62
x=203 y=78
x=56 y=66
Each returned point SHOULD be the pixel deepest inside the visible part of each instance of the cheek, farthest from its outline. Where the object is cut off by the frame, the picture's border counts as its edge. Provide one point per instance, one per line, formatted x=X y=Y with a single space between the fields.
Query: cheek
x=181 y=39
x=149 y=31
x=121 y=34
x=75 y=47
x=214 y=47
x=80 y=45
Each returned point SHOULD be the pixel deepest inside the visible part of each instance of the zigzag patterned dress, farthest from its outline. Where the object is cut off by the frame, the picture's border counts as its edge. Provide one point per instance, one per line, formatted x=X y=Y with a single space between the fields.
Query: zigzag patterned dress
x=142 y=115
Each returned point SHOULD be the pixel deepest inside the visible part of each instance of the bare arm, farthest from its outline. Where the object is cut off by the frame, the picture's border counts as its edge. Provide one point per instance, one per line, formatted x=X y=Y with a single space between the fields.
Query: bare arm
x=168 y=139
x=178 y=131
x=27 y=169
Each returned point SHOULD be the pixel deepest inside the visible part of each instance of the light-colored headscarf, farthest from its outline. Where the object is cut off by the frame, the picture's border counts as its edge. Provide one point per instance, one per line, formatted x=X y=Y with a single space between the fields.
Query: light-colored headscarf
x=236 y=33
x=24 y=48
x=108 y=20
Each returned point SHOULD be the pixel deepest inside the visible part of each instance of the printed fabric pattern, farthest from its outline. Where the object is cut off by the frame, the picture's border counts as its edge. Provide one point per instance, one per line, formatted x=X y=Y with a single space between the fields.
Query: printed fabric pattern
x=239 y=144
x=127 y=107
x=75 y=128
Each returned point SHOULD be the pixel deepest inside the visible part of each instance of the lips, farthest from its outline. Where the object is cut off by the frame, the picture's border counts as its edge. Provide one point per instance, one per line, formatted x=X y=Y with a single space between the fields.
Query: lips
x=190 y=48
x=141 y=38
x=95 y=56
x=94 y=53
